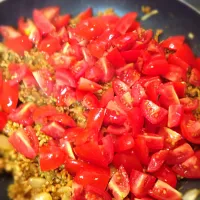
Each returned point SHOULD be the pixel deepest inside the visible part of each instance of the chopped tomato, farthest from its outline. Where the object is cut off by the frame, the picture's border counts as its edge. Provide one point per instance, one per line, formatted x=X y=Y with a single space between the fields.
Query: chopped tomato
x=119 y=184
x=152 y=112
x=42 y=23
x=167 y=175
x=175 y=113
x=61 y=21
x=3 y=120
x=157 y=160
x=87 y=85
x=90 y=101
x=9 y=96
x=173 y=42
x=180 y=88
x=189 y=168
x=50 y=157
x=120 y=87
x=180 y=154
x=49 y=45
x=93 y=73
x=19 y=44
x=92 y=177
x=25 y=142
x=163 y=191
x=195 y=77
x=189 y=104
x=50 y=12
x=123 y=143
x=126 y=22
x=107 y=96
x=84 y=15
x=66 y=146
x=141 y=183
x=8 y=32
x=131 y=55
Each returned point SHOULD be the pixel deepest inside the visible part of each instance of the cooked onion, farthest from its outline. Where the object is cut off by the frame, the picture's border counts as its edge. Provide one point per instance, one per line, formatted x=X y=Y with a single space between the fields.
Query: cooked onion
x=36 y=182
x=191 y=194
x=42 y=196
x=4 y=144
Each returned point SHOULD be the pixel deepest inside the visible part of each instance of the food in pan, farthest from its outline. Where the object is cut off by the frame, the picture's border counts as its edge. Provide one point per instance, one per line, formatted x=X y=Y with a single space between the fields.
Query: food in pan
x=96 y=108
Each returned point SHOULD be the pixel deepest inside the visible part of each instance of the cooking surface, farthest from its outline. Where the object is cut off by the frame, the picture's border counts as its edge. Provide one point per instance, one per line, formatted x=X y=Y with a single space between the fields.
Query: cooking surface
x=168 y=19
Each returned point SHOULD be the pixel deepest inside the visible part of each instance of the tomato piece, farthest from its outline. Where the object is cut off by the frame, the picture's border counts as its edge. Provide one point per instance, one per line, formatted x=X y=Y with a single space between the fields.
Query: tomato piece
x=3 y=120
x=84 y=15
x=186 y=54
x=88 y=57
x=18 y=71
x=54 y=130
x=93 y=177
x=175 y=113
x=117 y=130
x=125 y=42
x=190 y=129
x=189 y=104
x=93 y=73
x=61 y=21
x=174 y=60
x=19 y=44
x=50 y=12
x=131 y=55
x=126 y=22
x=90 y=101
x=157 y=160
x=123 y=143
x=107 y=69
x=129 y=76
x=79 y=68
x=64 y=78
x=115 y=58
x=138 y=94
x=25 y=142
x=155 y=68
x=42 y=23
x=107 y=143
x=173 y=42
x=175 y=73
x=95 y=192
x=92 y=153
x=153 y=141
x=142 y=150
x=113 y=117
x=63 y=34
x=9 y=96
x=180 y=88
x=152 y=112
x=141 y=183
x=119 y=184
x=125 y=101
x=8 y=32
x=195 y=77
x=180 y=154
x=66 y=146
x=167 y=175
x=87 y=85
x=128 y=160
x=136 y=120
x=44 y=80
x=107 y=96
x=120 y=87
x=41 y=113
x=63 y=119
x=29 y=29
x=163 y=191
x=171 y=137
x=23 y=114
x=51 y=157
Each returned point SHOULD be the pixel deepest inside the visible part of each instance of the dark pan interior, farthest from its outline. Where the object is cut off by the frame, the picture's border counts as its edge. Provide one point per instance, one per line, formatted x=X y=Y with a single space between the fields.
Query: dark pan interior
x=174 y=17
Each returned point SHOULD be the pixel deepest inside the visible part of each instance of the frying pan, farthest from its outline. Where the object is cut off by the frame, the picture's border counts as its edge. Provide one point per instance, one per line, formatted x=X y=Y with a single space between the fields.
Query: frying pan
x=175 y=17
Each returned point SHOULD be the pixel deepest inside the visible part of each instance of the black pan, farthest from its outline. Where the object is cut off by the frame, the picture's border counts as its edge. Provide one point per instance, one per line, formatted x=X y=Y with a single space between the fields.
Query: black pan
x=175 y=17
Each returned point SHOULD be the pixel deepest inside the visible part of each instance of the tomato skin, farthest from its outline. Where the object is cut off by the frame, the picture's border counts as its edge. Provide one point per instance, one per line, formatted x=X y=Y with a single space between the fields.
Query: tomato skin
x=61 y=21
x=119 y=184
x=126 y=22
x=128 y=160
x=123 y=143
x=131 y=55
x=180 y=88
x=49 y=45
x=170 y=193
x=25 y=142
x=175 y=113
x=92 y=177
x=9 y=96
x=152 y=112
x=93 y=73
x=157 y=160
x=50 y=12
x=167 y=175
x=84 y=15
x=3 y=120
x=173 y=42
x=189 y=104
x=120 y=87
x=107 y=96
x=90 y=101
x=19 y=44
x=180 y=154
x=50 y=157
x=9 y=32
x=141 y=183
